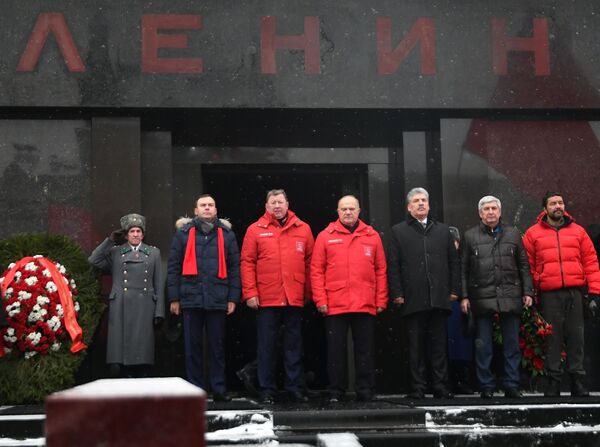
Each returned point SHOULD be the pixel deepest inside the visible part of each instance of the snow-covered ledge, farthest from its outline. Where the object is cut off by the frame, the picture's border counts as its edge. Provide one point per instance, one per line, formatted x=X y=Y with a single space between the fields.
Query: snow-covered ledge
x=166 y=411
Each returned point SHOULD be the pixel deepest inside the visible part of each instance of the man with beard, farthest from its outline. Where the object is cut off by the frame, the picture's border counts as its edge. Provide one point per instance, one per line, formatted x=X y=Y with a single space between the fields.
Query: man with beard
x=563 y=261
x=424 y=278
x=275 y=266
x=204 y=285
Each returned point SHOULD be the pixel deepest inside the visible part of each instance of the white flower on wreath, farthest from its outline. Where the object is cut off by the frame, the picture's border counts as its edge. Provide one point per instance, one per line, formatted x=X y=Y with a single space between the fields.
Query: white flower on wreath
x=18 y=276
x=29 y=354
x=1 y=280
x=11 y=265
x=23 y=295
x=13 y=309
x=51 y=287
x=73 y=285
x=35 y=337
x=38 y=256
x=8 y=293
x=34 y=316
x=55 y=346
x=47 y=273
x=31 y=267
x=30 y=281
x=41 y=300
x=76 y=306
x=61 y=268
x=54 y=323
x=7 y=350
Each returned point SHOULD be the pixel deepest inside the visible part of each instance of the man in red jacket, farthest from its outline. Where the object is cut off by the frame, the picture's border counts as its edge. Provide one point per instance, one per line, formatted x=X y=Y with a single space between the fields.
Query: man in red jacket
x=563 y=261
x=348 y=276
x=275 y=263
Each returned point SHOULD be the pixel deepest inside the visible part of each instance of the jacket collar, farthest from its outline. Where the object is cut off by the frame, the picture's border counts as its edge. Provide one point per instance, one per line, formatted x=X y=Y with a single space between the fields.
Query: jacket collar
x=126 y=248
x=269 y=219
x=542 y=219
x=338 y=227
x=487 y=230
x=417 y=224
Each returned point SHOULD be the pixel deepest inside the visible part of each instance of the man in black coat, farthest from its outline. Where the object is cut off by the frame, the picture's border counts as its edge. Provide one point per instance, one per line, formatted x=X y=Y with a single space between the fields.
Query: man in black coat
x=495 y=279
x=424 y=278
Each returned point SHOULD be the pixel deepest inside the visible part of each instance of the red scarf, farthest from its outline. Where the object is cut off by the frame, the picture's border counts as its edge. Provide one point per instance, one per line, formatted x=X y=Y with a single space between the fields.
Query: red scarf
x=190 y=266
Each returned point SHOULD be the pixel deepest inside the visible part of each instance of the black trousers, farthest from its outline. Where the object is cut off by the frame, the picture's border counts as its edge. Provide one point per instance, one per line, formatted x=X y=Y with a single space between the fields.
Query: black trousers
x=269 y=320
x=563 y=309
x=363 y=327
x=428 y=339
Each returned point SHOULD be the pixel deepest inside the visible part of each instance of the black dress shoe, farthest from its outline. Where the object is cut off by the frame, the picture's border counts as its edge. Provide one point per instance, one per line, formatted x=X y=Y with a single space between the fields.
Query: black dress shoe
x=552 y=388
x=364 y=397
x=513 y=393
x=297 y=397
x=487 y=394
x=443 y=394
x=416 y=395
x=578 y=389
x=221 y=397
x=267 y=399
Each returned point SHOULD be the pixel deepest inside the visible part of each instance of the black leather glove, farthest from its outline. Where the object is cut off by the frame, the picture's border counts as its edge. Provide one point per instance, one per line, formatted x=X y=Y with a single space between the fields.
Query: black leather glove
x=593 y=301
x=118 y=237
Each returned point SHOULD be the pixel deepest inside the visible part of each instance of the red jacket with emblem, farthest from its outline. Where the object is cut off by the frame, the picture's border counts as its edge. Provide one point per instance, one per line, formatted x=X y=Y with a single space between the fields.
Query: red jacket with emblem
x=348 y=270
x=561 y=256
x=275 y=261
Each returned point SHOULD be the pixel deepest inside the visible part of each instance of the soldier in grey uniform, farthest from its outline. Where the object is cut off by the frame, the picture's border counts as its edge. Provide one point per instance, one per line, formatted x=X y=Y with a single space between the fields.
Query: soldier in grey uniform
x=136 y=301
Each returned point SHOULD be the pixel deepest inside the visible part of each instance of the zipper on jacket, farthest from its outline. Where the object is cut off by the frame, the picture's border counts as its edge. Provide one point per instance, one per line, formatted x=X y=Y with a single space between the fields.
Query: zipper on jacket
x=562 y=276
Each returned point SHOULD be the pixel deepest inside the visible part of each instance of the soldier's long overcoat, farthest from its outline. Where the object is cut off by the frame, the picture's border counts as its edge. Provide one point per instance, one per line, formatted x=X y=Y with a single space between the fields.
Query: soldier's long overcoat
x=136 y=298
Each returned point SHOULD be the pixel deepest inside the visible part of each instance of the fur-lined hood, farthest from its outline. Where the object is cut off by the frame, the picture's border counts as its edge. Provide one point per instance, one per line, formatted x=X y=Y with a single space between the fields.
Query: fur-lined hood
x=183 y=221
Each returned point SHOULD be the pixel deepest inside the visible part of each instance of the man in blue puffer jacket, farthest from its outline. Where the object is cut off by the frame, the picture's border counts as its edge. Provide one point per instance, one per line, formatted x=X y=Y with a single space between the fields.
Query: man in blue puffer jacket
x=204 y=285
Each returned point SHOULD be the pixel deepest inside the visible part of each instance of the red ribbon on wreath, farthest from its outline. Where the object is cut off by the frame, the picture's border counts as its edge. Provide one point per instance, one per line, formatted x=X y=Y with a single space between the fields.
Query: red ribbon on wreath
x=66 y=300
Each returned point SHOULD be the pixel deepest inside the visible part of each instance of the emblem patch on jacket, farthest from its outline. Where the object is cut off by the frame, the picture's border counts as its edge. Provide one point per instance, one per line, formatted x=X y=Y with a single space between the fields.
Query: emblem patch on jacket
x=265 y=234
x=368 y=250
x=300 y=246
x=335 y=241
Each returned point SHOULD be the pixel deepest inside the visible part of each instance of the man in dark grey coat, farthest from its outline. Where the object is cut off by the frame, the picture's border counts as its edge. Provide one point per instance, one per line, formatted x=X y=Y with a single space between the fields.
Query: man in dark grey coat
x=136 y=301
x=424 y=278
x=496 y=280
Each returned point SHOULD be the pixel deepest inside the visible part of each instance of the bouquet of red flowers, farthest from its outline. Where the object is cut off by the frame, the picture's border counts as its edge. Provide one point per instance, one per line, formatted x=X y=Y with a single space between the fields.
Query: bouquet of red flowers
x=532 y=340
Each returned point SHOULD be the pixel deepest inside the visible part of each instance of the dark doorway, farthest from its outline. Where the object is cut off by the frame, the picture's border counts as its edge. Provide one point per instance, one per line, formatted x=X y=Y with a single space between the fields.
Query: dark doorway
x=313 y=191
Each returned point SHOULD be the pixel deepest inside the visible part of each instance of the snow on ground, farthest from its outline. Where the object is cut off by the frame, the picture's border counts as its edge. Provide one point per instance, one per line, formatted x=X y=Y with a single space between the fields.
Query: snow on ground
x=260 y=428
x=337 y=440
x=33 y=442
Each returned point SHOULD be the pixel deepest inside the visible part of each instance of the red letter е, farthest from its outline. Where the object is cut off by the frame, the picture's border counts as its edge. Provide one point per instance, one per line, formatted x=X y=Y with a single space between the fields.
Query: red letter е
x=152 y=41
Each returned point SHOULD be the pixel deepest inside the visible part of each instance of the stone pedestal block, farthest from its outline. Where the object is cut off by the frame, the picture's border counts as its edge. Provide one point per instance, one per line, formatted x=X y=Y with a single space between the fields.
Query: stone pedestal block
x=126 y=412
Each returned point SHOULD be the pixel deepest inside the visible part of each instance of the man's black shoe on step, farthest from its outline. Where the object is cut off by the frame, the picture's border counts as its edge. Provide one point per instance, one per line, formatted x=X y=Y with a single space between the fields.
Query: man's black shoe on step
x=487 y=394
x=443 y=393
x=266 y=398
x=416 y=395
x=578 y=389
x=297 y=397
x=552 y=388
x=221 y=397
x=513 y=393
